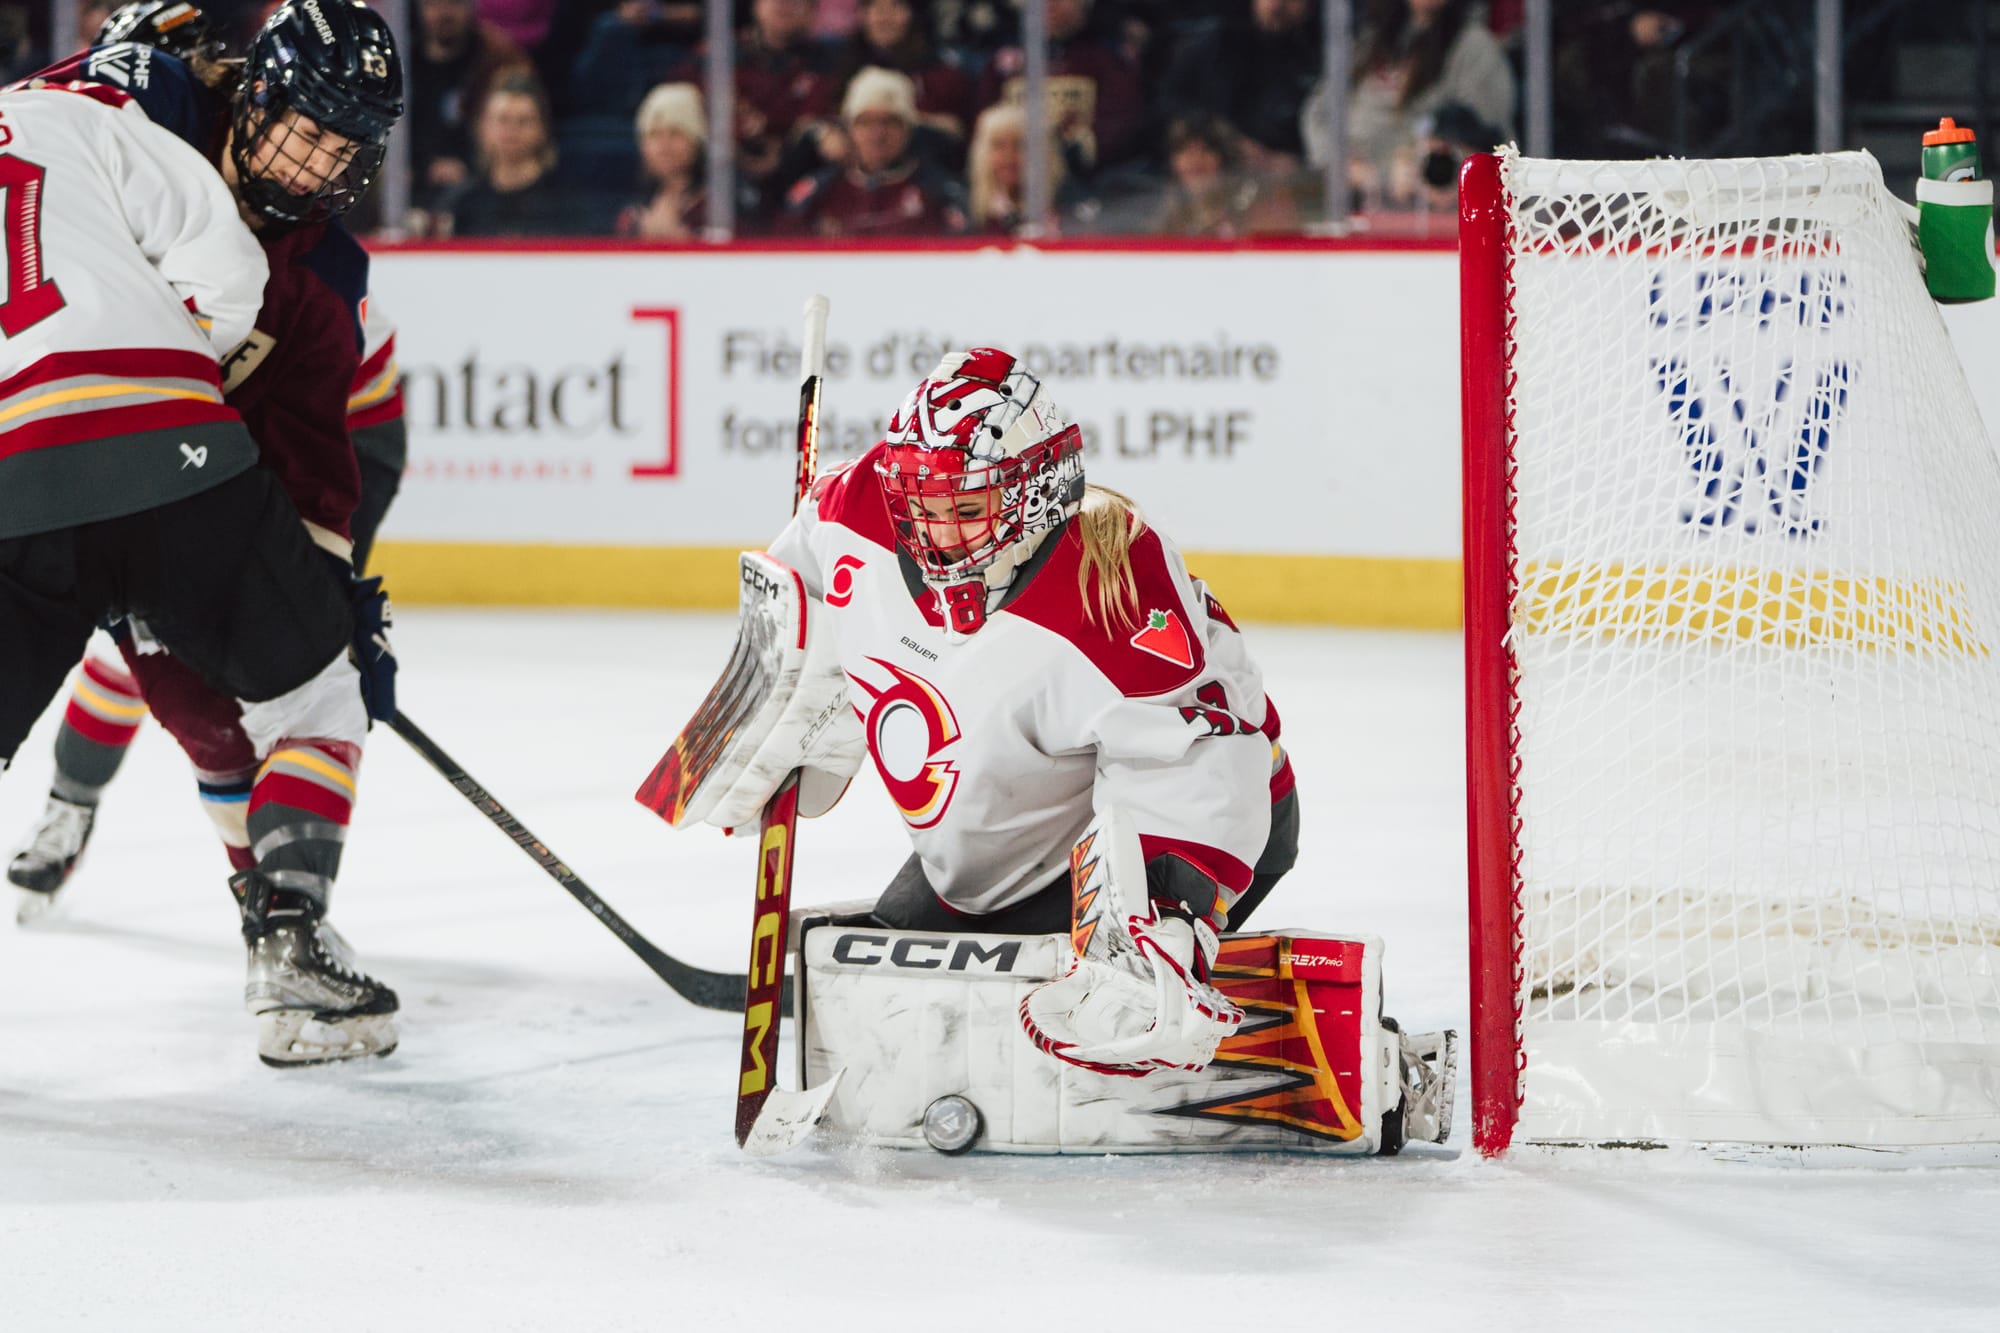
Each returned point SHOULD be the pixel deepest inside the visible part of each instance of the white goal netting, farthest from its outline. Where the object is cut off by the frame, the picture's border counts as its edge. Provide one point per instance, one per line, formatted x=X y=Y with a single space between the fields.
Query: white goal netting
x=1755 y=615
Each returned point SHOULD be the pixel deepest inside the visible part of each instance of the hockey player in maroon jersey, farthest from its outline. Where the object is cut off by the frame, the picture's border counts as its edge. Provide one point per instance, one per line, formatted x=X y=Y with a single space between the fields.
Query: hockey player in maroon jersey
x=102 y=716
x=127 y=485
x=1036 y=676
x=106 y=706
x=298 y=136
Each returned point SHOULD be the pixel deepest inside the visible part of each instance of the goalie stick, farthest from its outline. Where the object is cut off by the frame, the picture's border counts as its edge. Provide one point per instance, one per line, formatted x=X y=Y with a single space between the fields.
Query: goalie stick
x=770 y=1119
x=708 y=990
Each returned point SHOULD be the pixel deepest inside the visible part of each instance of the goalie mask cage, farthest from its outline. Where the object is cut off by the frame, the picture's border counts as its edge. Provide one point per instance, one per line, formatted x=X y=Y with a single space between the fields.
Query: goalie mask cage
x=1732 y=634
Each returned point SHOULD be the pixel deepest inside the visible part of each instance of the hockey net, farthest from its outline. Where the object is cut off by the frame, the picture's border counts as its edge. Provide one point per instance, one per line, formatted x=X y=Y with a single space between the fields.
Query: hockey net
x=1733 y=663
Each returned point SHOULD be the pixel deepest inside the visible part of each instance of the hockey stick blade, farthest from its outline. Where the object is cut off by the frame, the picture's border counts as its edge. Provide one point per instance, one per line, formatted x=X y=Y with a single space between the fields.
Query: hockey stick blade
x=788 y=1119
x=708 y=990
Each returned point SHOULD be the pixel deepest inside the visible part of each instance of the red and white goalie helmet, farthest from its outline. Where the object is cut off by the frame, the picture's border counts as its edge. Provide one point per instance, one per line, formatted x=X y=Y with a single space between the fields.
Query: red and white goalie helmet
x=980 y=463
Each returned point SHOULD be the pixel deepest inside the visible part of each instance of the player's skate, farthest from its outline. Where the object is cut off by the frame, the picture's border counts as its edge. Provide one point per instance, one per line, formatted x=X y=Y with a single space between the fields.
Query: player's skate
x=313 y=1005
x=41 y=868
x=1137 y=998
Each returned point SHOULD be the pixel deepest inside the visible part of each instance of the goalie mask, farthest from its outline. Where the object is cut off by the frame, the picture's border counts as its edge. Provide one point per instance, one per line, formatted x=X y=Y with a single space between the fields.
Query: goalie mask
x=980 y=467
x=322 y=86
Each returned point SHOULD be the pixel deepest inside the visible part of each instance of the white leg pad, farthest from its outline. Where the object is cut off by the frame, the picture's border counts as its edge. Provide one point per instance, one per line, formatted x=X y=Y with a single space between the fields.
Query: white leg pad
x=914 y=1016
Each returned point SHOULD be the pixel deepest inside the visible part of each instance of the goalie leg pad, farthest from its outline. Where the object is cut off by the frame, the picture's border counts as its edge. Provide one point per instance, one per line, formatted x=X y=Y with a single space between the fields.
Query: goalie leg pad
x=916 y=1016
x=781 y=705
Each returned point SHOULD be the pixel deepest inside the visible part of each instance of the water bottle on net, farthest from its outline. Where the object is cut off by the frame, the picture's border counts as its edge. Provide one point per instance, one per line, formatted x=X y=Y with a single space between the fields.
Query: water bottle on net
x=1955 y=216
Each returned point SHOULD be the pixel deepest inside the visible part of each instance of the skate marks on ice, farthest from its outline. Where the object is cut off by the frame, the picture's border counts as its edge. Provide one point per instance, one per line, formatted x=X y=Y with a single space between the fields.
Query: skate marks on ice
x=555 y=1130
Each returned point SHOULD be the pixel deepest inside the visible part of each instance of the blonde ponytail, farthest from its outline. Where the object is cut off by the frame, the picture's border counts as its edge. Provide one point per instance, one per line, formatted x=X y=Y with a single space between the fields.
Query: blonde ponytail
x=1107 y=525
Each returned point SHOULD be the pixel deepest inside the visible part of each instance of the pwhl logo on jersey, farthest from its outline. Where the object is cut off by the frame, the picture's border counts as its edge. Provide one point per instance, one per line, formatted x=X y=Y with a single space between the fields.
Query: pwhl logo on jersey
x=908 y=724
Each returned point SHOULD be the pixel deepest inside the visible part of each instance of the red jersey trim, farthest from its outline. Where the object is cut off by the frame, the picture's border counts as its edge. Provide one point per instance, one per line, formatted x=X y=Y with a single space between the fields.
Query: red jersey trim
x=112 y=421
x=1218 y=865
x=1053 y=601
x=120 y=362
x=852 y=497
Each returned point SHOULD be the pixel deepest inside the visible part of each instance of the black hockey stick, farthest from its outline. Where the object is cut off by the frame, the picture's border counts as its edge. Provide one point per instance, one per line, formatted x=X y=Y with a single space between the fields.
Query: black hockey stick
x=709 y=990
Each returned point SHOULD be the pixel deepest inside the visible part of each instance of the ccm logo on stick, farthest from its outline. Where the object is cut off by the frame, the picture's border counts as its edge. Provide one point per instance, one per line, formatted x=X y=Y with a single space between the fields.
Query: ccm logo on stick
x=926 y=953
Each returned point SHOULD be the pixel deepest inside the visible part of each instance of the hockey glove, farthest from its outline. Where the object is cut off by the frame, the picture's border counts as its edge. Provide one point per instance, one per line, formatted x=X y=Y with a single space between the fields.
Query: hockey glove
x=372 y=653
x=1137 y=997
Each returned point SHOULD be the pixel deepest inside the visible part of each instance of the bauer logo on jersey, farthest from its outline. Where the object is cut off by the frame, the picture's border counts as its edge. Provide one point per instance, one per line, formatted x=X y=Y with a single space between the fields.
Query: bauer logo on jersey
x=840 y=585
x=1164 y=636
x=908 y=724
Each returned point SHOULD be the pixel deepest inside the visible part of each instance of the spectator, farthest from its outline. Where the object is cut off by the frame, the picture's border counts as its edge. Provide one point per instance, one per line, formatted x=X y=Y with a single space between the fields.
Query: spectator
x=458 y=59
x=90 y=16
x=1450 y=135
x=1616 y=87
x=892 y=34
x=634 y=46
x=516 y=191
x=1414 y=57
x=1254 y=69
x=525 y=22
x=835 y=19
x=884 y=189
x=997 y=173
x=785 y=91
x=1211 y=193
x=672 y=132
x=1096 y=101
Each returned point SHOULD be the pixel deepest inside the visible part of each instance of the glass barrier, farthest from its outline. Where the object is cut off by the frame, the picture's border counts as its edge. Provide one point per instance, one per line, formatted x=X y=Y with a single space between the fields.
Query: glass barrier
x=707 y=120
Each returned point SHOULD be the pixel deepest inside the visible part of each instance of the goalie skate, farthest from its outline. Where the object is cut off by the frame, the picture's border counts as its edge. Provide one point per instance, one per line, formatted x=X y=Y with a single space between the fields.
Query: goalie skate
x=41 y=868
x=312 y=1004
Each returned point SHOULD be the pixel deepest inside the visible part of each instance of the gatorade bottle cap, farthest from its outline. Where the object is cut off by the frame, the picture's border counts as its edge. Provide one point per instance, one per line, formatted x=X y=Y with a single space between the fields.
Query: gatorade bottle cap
x=1948 y=131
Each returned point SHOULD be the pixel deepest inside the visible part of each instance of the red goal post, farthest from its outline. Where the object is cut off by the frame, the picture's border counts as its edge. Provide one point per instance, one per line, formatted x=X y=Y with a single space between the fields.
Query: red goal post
x=1732 y=664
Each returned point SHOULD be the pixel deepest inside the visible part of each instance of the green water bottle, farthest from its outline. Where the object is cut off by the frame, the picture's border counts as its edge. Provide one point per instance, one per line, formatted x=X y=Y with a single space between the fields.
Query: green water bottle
x=1955 y=216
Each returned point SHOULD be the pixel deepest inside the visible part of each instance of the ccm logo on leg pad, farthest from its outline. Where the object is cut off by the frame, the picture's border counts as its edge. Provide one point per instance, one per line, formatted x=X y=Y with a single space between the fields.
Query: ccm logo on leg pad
x=926 y=953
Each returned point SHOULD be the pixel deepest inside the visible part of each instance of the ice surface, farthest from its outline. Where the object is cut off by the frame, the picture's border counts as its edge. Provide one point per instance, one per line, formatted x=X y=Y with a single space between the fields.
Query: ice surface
x=551 y=1149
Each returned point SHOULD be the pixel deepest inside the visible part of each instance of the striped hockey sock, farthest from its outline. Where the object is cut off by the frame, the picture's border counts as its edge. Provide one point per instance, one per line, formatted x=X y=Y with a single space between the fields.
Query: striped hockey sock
x=225 y=799
x=104 y=713
x=299 y=808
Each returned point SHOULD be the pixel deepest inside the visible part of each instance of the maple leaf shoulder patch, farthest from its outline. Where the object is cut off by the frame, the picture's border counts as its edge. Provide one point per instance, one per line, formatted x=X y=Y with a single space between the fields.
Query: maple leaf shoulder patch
x=1165 y=637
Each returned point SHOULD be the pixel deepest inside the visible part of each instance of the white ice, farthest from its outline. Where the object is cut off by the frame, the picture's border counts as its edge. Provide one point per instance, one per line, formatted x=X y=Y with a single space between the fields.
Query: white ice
x=551 y=1147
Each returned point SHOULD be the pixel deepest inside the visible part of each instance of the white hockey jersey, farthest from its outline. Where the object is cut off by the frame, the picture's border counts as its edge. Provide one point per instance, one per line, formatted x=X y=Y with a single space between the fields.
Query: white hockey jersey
x=993 y=745
x=129 y=272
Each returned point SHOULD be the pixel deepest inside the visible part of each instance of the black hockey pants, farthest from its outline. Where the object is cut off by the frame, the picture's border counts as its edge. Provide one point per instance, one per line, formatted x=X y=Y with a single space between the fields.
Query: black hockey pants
x=227 y=580
x=910 y=903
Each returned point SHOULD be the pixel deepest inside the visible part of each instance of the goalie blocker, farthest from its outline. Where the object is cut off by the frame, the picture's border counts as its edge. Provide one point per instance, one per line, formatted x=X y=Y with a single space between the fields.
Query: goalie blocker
x=925 y=1026
x=781 y=705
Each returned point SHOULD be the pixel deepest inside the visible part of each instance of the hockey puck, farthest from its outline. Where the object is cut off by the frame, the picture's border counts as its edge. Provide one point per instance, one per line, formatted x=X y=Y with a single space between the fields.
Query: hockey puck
x=952 y=1124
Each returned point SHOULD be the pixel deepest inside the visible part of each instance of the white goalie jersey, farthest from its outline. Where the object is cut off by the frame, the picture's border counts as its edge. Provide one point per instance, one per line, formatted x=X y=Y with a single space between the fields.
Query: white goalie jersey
x=992 y=745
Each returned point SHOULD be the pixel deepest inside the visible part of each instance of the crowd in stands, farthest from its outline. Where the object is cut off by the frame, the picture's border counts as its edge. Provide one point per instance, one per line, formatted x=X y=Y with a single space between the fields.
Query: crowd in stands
x=898 y=118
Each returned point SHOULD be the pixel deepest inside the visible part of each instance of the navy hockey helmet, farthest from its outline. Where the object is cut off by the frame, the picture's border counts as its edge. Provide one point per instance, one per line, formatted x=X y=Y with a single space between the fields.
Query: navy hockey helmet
x=330 y=62
x=174 y=26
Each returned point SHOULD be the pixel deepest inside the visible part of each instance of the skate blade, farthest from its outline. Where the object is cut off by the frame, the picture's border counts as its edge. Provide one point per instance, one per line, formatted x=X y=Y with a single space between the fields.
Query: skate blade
x=33 y=906
x=291 y=1037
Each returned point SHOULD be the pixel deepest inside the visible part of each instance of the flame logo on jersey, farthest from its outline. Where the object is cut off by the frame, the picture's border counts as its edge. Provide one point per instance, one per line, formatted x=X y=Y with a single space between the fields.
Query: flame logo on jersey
x=907 y=724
